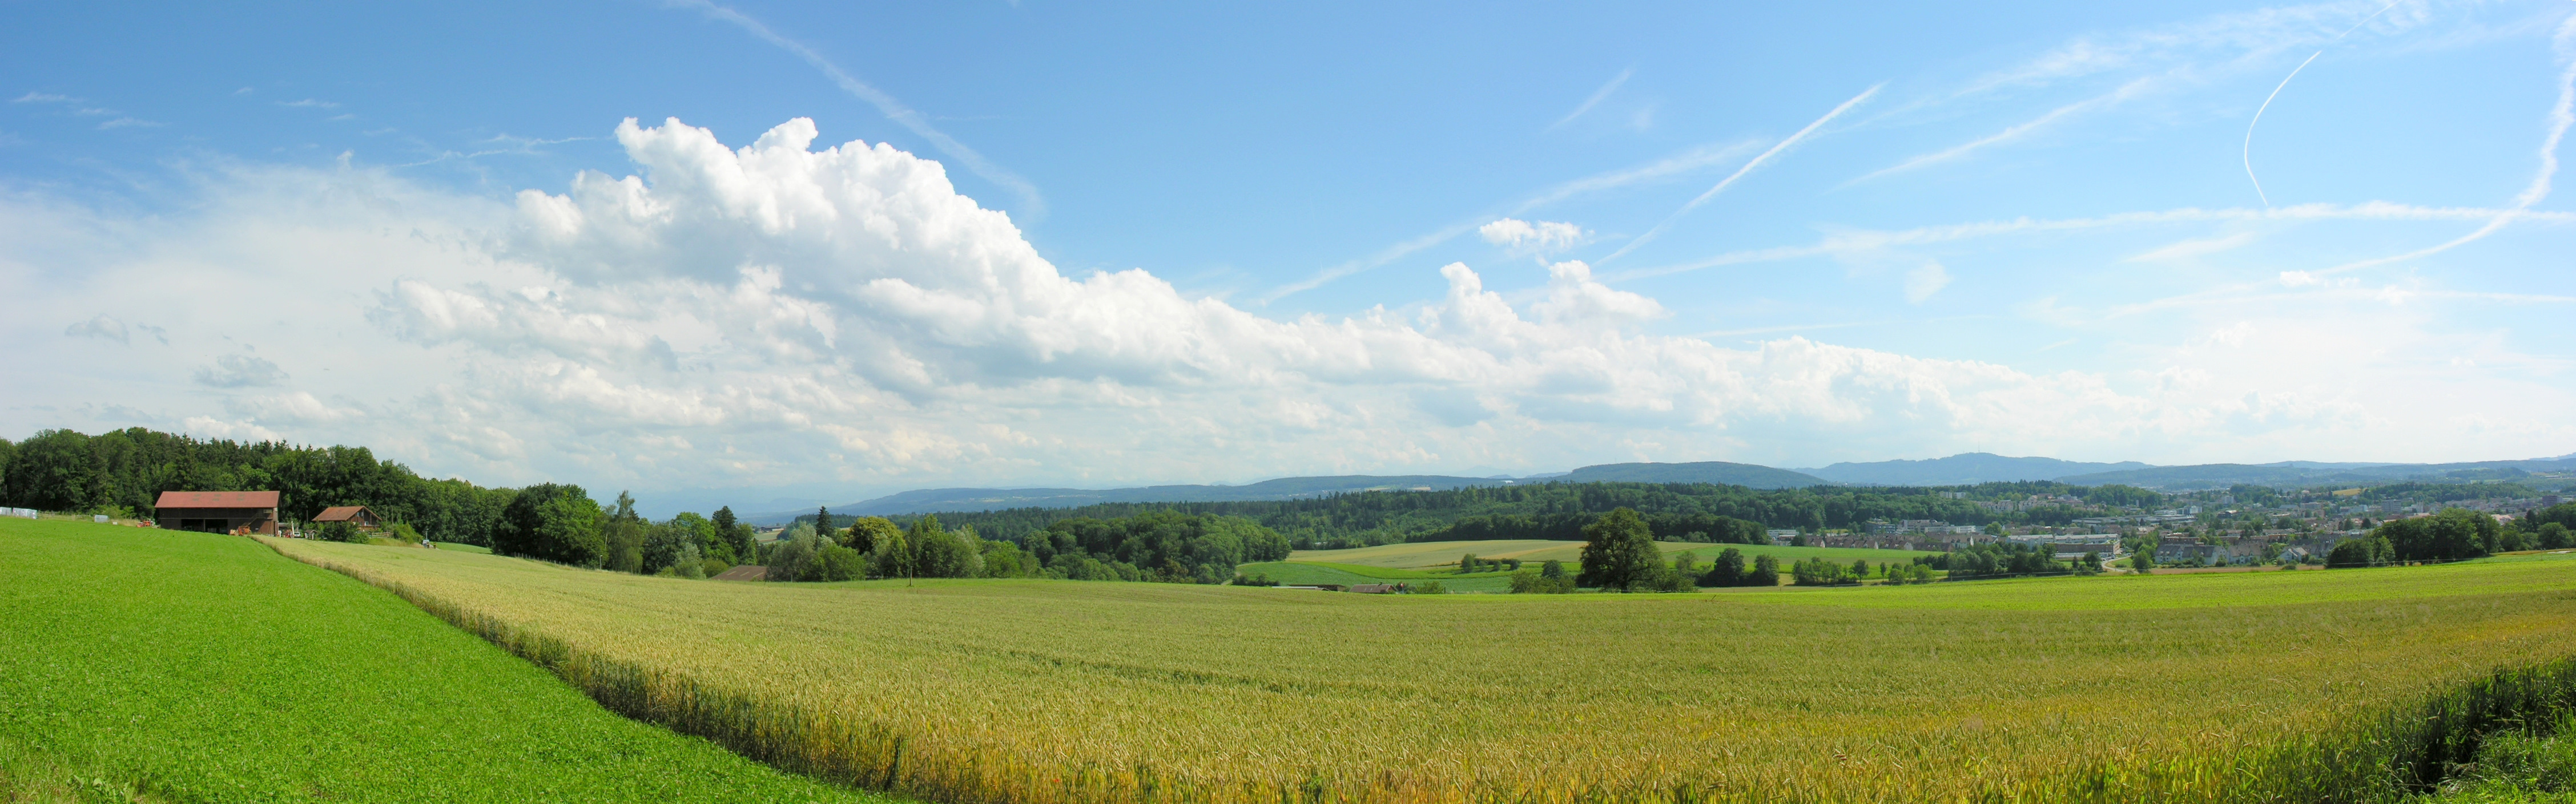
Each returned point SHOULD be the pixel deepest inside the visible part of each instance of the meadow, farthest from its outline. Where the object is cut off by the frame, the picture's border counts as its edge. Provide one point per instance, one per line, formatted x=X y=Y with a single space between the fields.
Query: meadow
x=2268 y=686
x=158 y=665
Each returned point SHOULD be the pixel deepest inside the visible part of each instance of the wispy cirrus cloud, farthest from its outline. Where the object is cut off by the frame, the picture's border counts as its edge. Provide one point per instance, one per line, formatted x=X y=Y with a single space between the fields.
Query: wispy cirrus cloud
x=1676 y=165
x=1855 y=241
x=1757 y=162
x=2012 y=133
x=1030 y=202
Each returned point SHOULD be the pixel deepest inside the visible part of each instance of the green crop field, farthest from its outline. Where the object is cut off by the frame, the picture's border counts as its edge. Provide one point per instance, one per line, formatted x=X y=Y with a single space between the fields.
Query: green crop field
x=2177 y=688
x=172 y=666
x=1425 y=555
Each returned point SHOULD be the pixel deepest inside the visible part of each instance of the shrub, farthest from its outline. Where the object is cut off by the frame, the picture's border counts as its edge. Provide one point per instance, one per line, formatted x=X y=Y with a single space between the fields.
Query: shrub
x=404 y=533
x=1728 y=570
x=2554 y=536
x=1900 y=574
x=2373 y=551
x=1262 y=579
x=1766 y=572
x=1426 y=588
x=1534 y=582
x=836 y=563
x=340 y=532
x=1820 y=572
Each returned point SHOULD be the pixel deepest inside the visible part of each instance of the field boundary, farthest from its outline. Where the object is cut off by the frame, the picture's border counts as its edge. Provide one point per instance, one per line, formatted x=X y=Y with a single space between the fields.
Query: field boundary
x=2417 y=742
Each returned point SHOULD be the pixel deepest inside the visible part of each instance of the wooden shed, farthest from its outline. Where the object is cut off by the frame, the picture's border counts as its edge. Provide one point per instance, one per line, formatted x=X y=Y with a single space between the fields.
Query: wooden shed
x=218 y=511
x=353 y=514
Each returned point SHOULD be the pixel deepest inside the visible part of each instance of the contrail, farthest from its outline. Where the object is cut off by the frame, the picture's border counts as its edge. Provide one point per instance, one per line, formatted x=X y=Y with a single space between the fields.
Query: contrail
x=2285 y=84
x=1595 y=100
x=2258 y=118
x=886 y=104
x=2562 y=116
x=1739 y=173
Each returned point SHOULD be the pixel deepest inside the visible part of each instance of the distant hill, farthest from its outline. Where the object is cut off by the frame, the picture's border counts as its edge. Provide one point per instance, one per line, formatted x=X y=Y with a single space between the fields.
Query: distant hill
x=2310 y=473
x=1737 y=474
x=1963 y=469
x=1286 y=488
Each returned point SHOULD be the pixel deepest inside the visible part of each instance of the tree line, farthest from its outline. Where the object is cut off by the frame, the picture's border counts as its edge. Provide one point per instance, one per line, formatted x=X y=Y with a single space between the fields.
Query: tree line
x=1560 y=511
x=122 y=472
x=2456 y=534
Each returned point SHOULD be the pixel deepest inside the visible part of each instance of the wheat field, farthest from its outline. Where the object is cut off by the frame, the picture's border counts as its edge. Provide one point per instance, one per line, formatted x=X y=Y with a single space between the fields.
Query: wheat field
x=2183 y=688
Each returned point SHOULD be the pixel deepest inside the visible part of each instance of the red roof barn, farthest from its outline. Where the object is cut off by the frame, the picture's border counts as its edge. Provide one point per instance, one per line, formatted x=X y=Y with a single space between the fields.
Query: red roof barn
x=218 y=511
x=353 y=514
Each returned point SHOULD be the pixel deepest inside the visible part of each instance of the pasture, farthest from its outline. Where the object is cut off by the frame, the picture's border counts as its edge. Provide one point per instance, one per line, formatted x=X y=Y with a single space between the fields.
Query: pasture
x=2178 y=688
x=160 y=665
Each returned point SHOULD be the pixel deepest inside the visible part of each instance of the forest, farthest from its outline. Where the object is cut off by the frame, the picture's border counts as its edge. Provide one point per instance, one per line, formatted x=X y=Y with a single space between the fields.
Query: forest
x=121 y=472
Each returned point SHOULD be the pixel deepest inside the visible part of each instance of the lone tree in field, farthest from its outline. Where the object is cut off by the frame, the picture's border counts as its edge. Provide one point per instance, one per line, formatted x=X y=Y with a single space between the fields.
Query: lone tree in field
x=1618 y=551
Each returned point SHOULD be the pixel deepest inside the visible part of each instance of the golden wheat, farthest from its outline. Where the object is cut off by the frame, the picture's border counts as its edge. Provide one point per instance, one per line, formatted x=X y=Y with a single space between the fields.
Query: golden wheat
x=2169 y=687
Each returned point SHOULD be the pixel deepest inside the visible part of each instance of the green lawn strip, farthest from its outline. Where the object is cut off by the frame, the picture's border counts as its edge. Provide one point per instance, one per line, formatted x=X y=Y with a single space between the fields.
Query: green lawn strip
x=463 y=547
x=1301 y=573
x=209 y=668
x=1401 y=574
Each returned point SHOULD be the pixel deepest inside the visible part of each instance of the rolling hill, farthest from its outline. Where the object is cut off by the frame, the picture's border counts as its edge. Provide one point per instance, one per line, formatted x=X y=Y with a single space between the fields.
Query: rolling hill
x=2308 y=473
x=1734 y=474
x=1286 y=488
x=1963 y=469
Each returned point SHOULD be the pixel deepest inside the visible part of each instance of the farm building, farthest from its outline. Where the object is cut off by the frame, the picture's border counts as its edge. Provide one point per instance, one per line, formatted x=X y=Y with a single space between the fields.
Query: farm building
x=353 y=514
x=218 y=511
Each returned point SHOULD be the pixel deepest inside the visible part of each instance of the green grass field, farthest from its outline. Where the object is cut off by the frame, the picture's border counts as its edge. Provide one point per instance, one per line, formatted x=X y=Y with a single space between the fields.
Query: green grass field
x=1311 y=573
x=463 y=547
x=177 y=666
x=1427 y=555
x=2174 y=688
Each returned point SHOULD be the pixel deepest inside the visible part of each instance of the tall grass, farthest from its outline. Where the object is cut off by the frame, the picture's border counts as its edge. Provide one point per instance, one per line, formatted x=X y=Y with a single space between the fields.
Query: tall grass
x=1043 y=693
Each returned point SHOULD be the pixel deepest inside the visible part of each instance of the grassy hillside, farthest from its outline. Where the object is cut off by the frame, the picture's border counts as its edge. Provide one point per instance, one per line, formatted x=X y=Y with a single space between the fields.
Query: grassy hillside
x=2178 y=688
x=193 y=667
x=1425 y=555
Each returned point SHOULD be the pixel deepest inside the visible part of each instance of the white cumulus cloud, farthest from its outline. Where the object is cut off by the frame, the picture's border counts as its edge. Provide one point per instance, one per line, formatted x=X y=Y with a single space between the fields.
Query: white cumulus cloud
x=1540 y=236
x=782 y=314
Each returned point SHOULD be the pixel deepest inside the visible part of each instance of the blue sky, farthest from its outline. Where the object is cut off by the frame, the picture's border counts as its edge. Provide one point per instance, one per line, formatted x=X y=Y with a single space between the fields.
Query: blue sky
x=1237 y=243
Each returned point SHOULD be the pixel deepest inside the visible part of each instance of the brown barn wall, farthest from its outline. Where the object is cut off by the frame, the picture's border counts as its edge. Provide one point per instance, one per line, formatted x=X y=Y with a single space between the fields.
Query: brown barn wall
x=261 y=520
